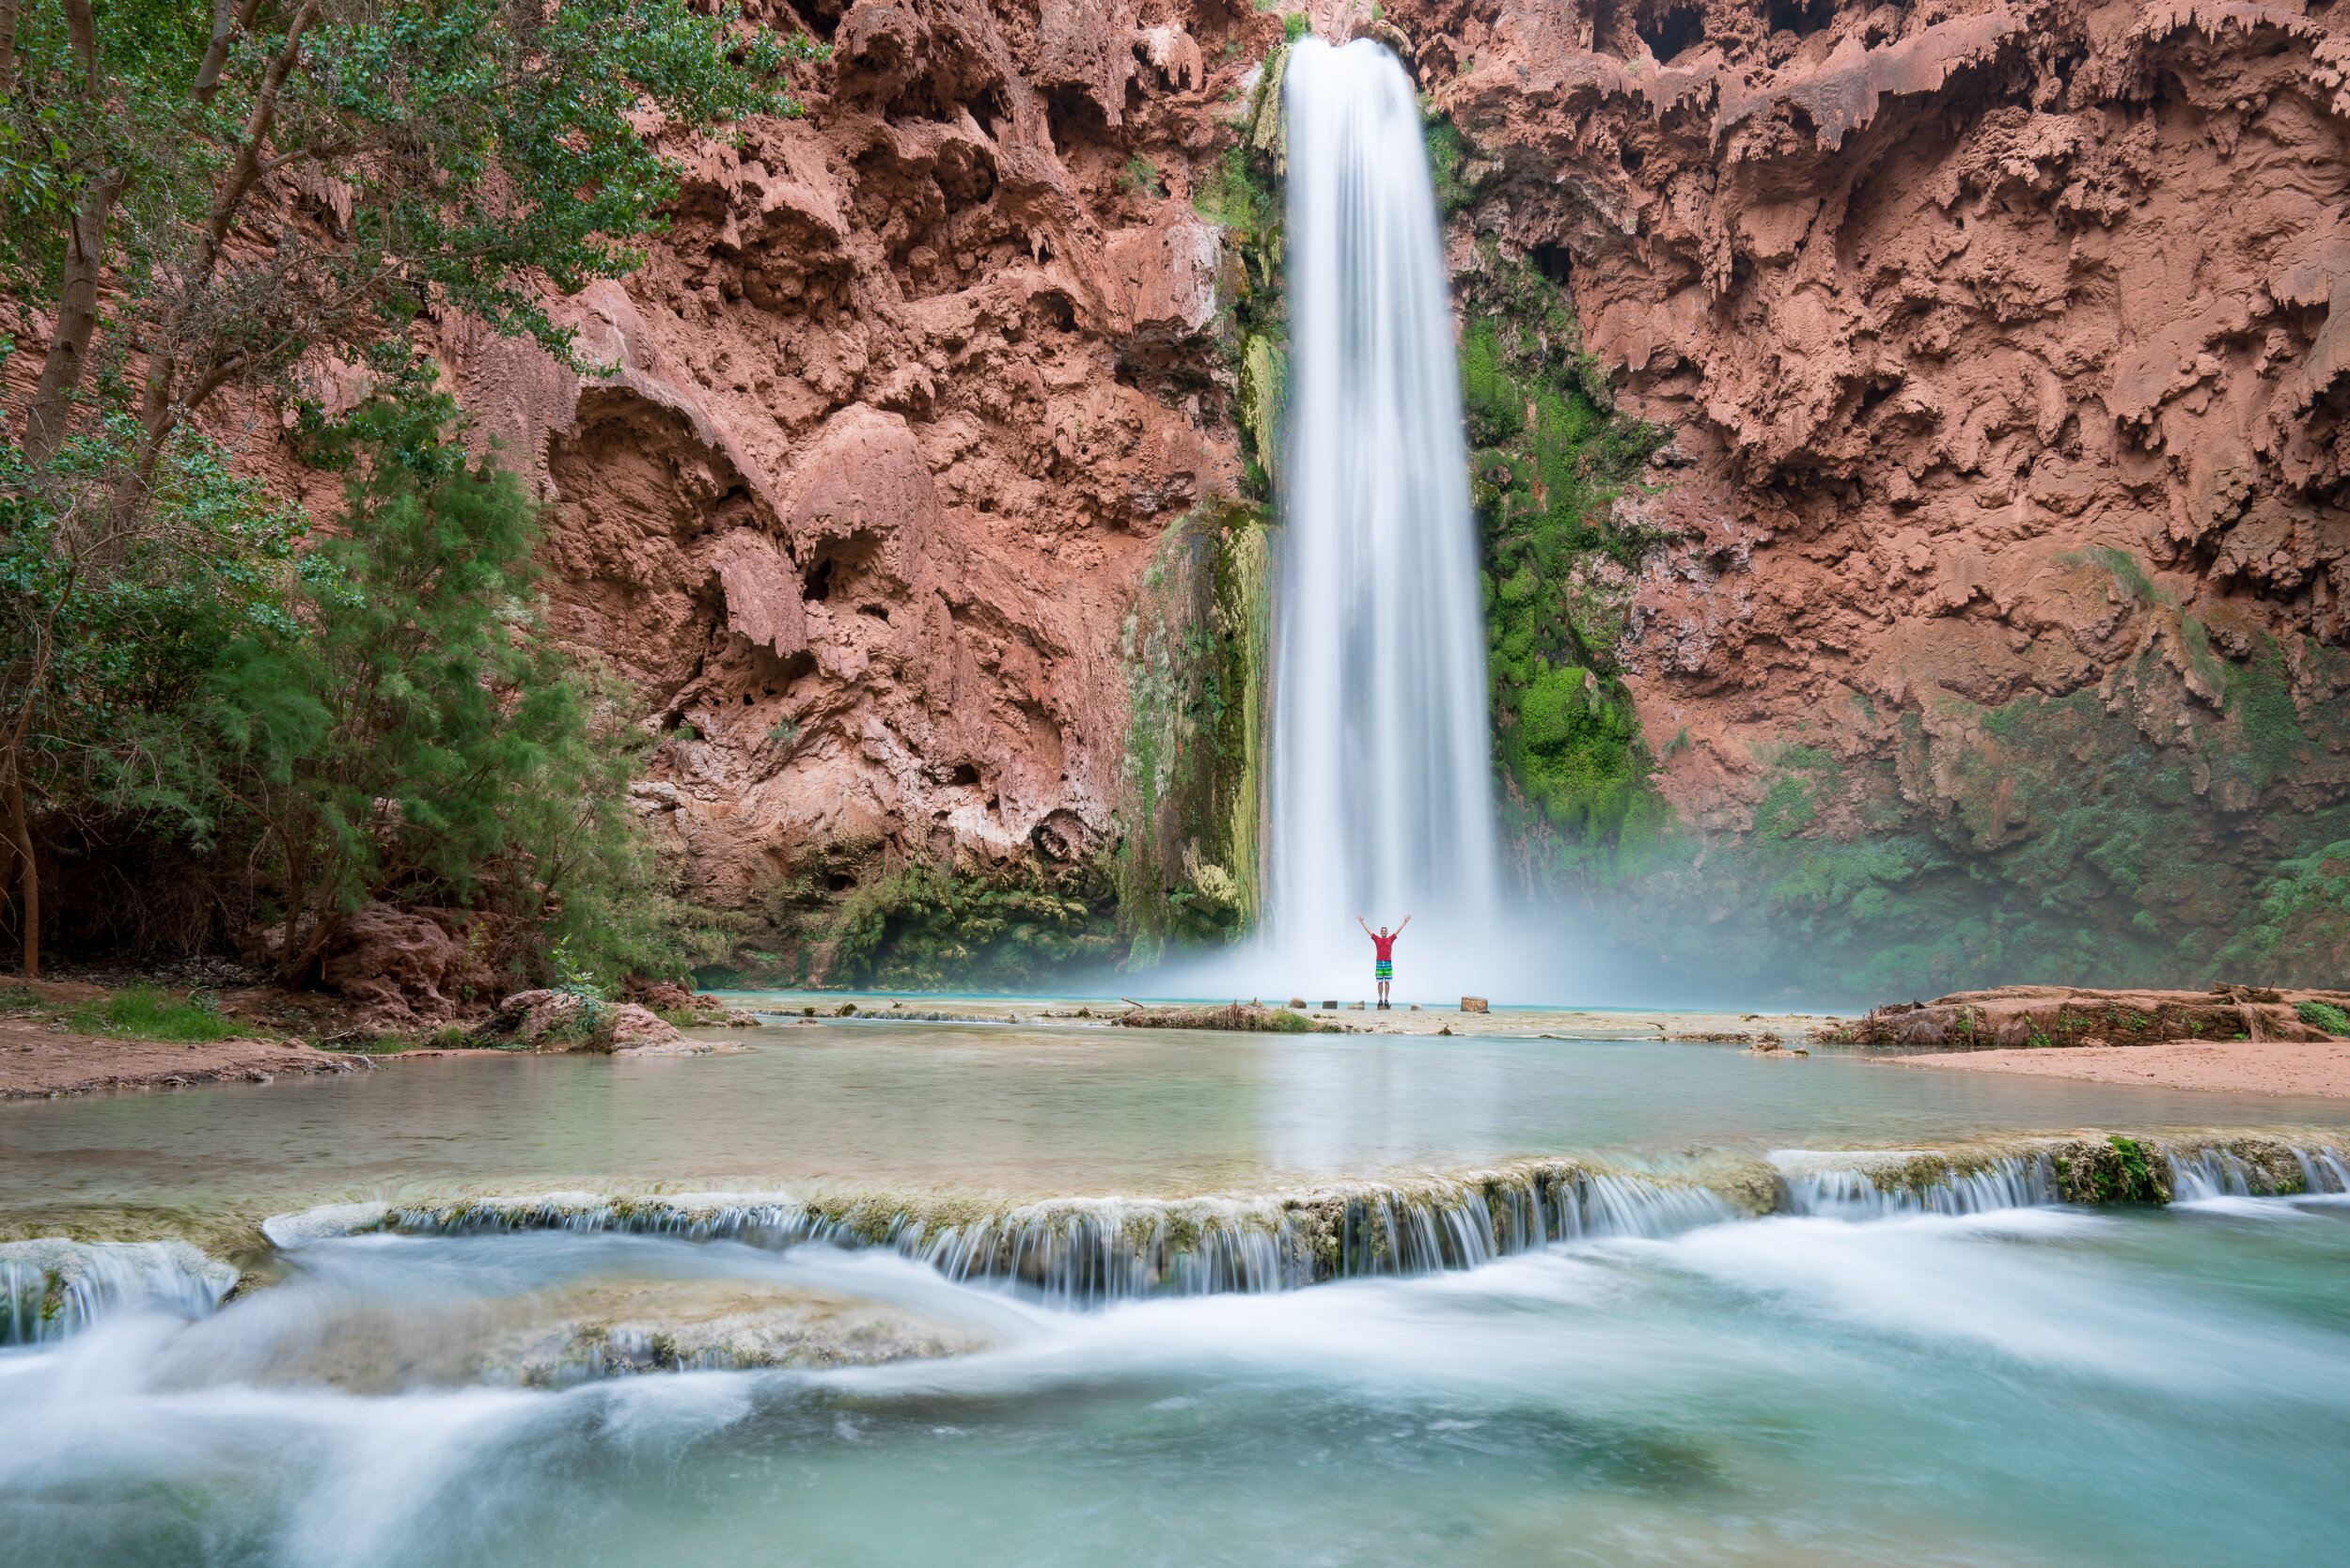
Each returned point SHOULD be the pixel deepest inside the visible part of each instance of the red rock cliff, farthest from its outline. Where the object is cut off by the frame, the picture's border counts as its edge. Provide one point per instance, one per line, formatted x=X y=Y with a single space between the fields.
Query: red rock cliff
x=894 y=418
x=2003 y=349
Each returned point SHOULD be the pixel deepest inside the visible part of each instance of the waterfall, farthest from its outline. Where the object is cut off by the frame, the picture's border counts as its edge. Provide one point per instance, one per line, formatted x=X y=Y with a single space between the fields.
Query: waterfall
x=1382 y=795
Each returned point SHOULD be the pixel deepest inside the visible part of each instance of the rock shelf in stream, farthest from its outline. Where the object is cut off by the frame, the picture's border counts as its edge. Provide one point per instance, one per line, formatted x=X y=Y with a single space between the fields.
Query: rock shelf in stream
x=51 y=1287
x=1082 y=1250
x=1075 y=1252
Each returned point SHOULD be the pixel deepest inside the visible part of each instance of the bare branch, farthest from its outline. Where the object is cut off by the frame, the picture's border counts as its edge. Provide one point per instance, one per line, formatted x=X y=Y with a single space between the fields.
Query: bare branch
x=159 y=416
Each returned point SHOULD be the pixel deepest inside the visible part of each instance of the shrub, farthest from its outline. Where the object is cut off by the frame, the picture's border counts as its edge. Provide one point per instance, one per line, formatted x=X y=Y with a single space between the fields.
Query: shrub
x=2324 y=1015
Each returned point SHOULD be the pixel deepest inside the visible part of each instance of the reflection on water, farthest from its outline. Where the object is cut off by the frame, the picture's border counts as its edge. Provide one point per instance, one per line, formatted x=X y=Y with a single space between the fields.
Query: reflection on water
x=1028 y=1109
x=2035 y=1387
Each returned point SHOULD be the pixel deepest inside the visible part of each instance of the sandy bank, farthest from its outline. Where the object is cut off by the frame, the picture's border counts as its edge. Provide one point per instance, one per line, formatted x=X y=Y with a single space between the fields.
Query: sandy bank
x=37 y=1061
x=2242 y=1066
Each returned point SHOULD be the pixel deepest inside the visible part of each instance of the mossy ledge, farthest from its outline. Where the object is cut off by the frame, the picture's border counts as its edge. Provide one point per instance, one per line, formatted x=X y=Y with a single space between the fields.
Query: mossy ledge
x=1081 y=1251
x=1084 y=1249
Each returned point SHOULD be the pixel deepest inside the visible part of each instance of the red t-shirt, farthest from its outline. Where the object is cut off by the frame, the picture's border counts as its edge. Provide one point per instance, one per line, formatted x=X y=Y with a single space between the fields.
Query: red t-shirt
x=1385 y=946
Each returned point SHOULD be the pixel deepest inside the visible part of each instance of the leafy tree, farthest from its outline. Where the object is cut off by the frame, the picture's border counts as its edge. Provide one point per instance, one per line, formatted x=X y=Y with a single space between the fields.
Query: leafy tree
x=418 y=732
x=112 y=666
x=262 y=187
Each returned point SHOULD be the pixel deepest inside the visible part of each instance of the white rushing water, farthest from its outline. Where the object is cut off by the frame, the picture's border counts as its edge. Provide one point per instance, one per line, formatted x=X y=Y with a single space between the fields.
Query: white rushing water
x=1381 y=795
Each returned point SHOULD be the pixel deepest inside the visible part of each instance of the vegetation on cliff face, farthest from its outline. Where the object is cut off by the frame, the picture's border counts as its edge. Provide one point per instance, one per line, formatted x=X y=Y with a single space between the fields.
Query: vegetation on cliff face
x=2184 y=819
x=273 y=194
x=1199 y=664
x=2086 y=838
x=1242 y=198
x=1548 y=457
x=931 y=928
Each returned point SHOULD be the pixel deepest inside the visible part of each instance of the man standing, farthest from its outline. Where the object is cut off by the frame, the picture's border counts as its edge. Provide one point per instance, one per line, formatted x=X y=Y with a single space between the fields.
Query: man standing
x=1382 y=941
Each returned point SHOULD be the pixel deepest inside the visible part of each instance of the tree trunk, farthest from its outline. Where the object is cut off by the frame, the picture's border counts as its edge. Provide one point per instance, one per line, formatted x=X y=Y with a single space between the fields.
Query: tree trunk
x=227 y=22
x=22 y=837
x=7 y=46
x=81 y=30
x=51 y=411
x=160 y=415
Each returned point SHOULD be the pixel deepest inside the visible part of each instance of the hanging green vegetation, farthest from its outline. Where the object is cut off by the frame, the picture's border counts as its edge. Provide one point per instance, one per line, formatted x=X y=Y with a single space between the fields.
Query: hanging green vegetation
x=1241 y=196
x=1549 y=458
x=1199 y=664
x=931 y=928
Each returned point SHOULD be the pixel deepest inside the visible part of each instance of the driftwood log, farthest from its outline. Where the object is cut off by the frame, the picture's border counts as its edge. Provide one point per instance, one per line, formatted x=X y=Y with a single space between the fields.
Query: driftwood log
x=2034 y=1015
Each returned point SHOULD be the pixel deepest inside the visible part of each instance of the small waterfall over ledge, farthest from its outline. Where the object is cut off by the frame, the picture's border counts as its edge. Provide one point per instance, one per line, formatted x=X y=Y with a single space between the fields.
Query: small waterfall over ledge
x=1382 y=790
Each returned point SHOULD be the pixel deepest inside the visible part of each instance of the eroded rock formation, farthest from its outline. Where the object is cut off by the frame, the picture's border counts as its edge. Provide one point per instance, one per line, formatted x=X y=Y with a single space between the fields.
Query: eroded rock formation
x=884 y=434
x=2002 y=349
x=1987 y=623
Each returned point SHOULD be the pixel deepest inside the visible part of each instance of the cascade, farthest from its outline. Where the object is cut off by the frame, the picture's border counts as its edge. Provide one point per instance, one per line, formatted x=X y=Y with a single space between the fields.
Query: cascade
x=1382 y=795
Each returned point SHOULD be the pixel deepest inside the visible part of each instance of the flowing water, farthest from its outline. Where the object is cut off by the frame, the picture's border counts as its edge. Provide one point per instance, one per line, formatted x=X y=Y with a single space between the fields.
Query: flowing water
x=2033 y=1386
x=904 y=1293
x=887 y=1344
x=1382 y=803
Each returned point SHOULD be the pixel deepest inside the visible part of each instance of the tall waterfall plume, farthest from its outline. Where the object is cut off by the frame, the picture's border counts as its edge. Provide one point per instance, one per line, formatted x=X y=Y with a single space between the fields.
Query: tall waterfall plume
x=1382 y=792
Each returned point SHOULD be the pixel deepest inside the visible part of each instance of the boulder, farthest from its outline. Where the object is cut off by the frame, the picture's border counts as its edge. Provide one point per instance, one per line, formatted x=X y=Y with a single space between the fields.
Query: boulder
x=534 y=1015
x=405 y=968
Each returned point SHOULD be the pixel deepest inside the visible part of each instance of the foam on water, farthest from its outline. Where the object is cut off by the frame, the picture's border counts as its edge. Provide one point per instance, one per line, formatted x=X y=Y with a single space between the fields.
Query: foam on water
x=1925 y=1389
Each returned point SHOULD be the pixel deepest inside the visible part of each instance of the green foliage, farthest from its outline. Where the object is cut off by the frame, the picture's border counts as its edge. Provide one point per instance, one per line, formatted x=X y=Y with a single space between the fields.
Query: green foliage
x=578 y=981
x=2324 y=1015
x=108 y=659
x=419 y=735
x=1576 y=752
x=461 y=157
x=512 y=149
x=929 y=928
x=1450 y=163
x=2132 y=1181
x=140 y=1013
x=1139 y=176
x=1549 y=458
x=1295 y=25
x=2118 y=1173
x=1236 y=197
x=1197 y=655
x=1239 y=194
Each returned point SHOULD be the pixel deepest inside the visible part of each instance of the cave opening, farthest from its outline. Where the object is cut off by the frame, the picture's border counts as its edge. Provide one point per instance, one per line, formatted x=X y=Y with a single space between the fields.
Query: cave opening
x=819 y=586
x=964 y=774
x=1802 y=18
x=1670 y=33
x=1555 y=263
x=839 y=882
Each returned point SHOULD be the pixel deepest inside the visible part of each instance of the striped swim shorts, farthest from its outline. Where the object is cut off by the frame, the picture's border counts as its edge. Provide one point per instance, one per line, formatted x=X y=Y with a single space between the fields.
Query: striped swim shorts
x=1385 y=967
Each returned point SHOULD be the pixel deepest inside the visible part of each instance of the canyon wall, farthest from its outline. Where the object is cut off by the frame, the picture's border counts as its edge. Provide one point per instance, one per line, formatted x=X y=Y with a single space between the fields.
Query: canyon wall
x=1943 y=404
x=1988 y=615
x=864 y=492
